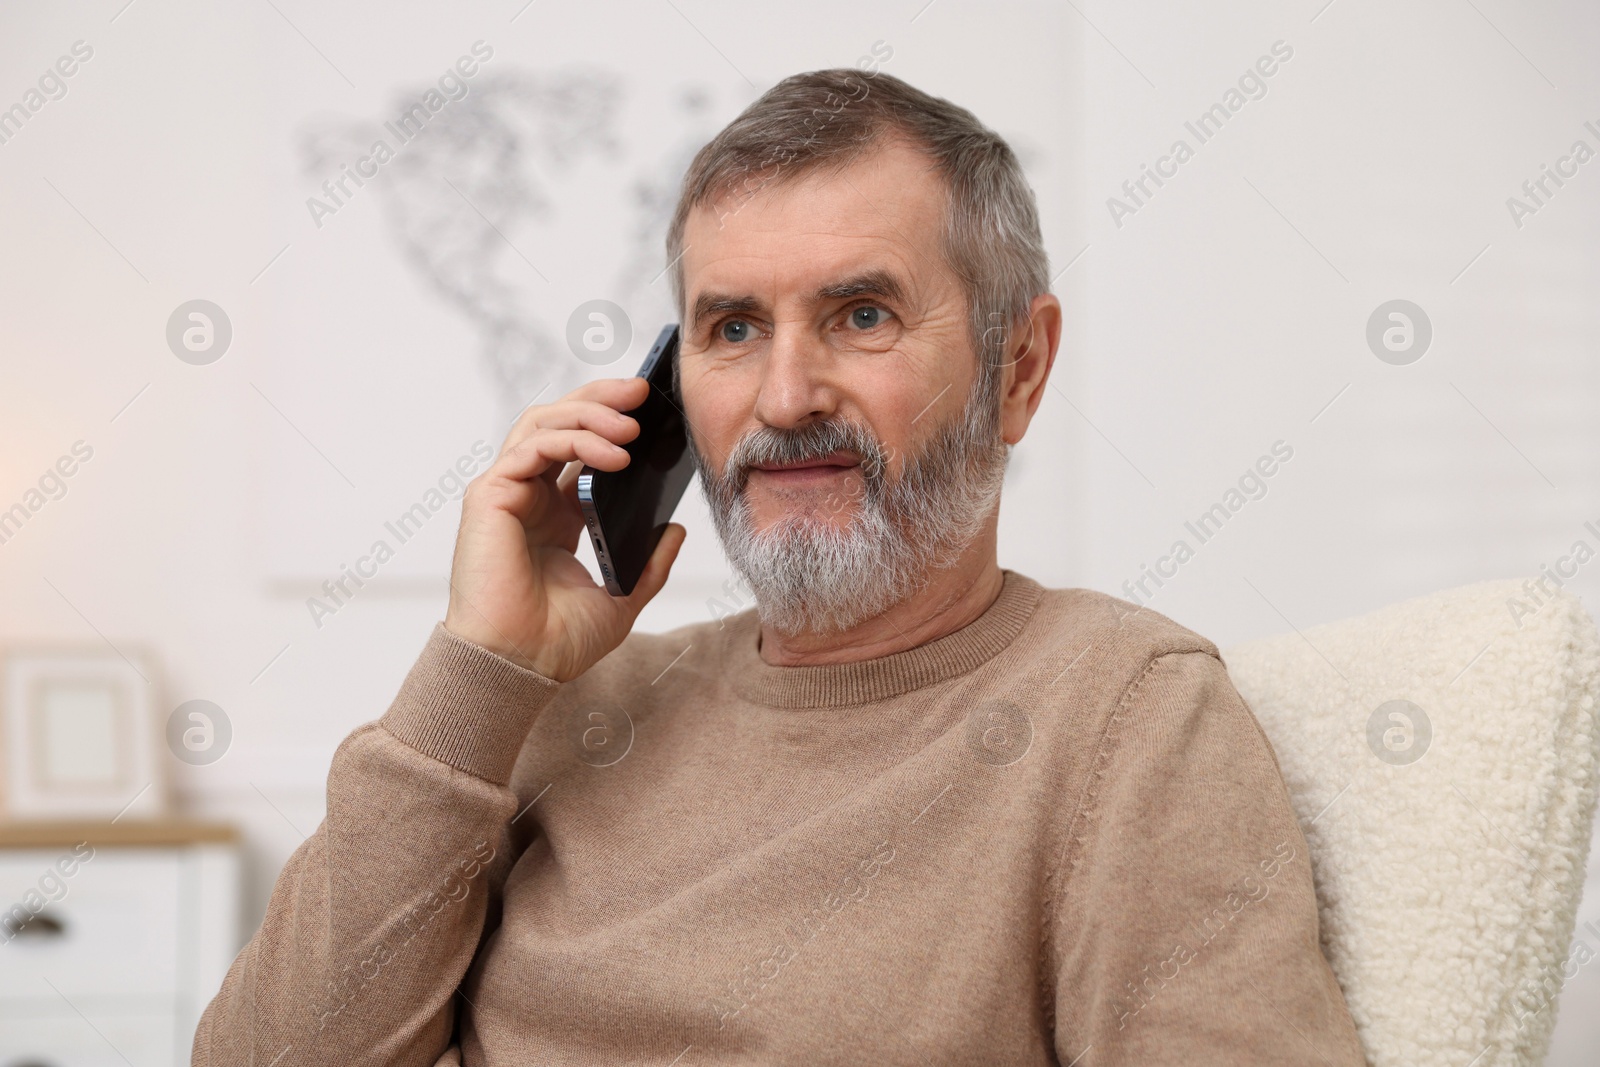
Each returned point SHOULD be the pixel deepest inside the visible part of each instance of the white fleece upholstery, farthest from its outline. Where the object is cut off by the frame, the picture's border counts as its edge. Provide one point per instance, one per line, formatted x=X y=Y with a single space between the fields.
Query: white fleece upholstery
x=1448 y=886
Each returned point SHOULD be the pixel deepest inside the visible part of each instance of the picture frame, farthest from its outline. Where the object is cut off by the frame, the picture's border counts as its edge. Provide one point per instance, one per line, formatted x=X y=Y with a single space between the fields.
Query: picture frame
x=80 y=734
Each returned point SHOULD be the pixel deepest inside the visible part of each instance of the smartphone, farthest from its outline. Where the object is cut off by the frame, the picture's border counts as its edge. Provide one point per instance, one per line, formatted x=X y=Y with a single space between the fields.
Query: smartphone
x=627 y=511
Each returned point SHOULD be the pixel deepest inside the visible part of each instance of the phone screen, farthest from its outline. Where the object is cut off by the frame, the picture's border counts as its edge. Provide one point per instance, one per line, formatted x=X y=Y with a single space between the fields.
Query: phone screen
x=626 y=511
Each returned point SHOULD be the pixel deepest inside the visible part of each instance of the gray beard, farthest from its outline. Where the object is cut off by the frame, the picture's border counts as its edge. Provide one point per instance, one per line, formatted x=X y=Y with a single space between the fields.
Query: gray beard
x=808 y=574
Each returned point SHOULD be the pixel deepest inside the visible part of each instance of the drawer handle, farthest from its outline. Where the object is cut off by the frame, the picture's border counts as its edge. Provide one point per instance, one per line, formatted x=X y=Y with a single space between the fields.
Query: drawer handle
x=42 y=925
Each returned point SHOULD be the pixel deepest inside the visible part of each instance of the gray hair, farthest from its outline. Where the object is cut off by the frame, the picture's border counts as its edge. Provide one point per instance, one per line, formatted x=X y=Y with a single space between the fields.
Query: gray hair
x=827 y=119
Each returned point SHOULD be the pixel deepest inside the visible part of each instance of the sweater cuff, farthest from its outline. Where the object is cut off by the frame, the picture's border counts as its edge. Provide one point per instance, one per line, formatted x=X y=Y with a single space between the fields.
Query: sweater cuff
x=467 y=707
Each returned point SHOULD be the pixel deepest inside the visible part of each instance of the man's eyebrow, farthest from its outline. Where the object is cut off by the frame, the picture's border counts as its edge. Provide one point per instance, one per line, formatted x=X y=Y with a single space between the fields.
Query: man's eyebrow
x=875 y=282
x=708 y=304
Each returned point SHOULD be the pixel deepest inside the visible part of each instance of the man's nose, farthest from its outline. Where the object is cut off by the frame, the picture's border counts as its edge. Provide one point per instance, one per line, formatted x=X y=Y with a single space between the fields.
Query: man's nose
x=796 y=379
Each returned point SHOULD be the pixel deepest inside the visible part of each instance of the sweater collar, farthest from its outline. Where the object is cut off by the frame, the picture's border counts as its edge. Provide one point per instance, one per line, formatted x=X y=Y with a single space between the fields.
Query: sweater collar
x=843 y=684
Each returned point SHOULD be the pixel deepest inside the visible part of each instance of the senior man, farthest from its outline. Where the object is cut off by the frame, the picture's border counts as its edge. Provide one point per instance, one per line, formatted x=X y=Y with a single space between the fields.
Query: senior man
x=912 y=808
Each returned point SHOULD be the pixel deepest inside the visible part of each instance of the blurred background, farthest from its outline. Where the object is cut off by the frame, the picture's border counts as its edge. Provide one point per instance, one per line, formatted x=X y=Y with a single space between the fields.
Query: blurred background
x=241 y=348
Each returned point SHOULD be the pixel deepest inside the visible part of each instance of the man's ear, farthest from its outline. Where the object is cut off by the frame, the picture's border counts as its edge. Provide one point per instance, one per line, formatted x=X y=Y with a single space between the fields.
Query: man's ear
x=1030 y=354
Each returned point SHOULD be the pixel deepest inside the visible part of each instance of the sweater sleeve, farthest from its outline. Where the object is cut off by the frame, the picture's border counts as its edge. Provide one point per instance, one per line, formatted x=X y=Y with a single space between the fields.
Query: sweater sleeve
x=1186 y=928
x=376 y=917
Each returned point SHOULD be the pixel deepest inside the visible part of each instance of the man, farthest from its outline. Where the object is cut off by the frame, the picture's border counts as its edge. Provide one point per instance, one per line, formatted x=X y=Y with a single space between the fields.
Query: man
x=913 y=808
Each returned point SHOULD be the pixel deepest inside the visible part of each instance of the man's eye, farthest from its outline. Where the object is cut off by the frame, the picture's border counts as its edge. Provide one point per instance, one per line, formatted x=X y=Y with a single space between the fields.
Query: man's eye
x=867 y=316
x=735 y=331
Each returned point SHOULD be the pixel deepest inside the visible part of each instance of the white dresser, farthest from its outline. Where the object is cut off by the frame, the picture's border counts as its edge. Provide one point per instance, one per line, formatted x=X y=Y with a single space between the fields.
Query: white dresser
x=110 y=960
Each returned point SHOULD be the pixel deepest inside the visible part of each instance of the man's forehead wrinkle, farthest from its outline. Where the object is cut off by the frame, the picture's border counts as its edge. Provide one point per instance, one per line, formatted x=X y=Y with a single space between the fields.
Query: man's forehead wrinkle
x=852 y=214
x=868 y=225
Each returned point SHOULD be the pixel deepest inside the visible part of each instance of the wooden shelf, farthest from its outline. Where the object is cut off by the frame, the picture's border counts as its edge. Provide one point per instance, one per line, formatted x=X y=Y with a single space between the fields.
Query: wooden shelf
x=66 y=833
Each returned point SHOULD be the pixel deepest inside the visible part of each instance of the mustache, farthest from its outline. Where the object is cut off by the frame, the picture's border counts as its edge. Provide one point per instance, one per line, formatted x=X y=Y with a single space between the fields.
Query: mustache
x=817 y=440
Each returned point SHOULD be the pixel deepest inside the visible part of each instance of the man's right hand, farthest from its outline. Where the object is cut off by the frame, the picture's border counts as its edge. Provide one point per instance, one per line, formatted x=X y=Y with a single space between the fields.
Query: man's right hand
x=516 y=588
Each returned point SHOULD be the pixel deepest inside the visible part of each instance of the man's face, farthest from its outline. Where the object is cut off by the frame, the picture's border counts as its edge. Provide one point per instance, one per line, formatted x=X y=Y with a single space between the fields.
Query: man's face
x=824 y=299
x=827 y=374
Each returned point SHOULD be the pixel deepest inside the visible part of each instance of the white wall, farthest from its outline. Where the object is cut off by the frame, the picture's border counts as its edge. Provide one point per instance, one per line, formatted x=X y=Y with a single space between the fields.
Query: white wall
x=1230 y=309
x=1223 y=315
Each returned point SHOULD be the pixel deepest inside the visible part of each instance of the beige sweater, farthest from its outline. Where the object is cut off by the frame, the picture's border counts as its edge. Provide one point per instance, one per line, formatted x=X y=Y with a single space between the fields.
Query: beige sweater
x=1055 y=836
